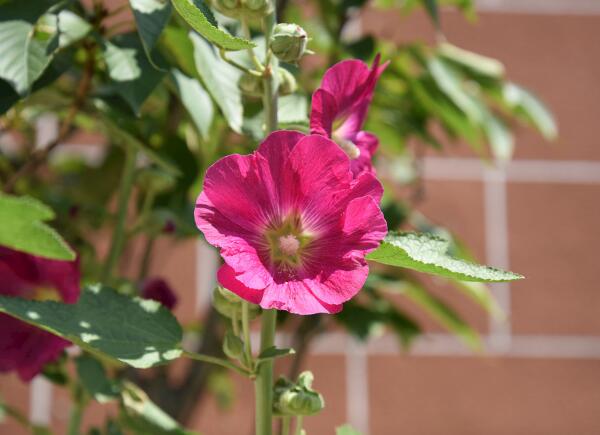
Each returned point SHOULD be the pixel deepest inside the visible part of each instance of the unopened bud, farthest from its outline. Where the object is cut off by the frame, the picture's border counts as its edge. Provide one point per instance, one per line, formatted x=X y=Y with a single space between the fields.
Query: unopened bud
x=298 y=398
x=287 y=82
x=250 y=9
x=233 y=346
x=288 y=42
x=251 y=85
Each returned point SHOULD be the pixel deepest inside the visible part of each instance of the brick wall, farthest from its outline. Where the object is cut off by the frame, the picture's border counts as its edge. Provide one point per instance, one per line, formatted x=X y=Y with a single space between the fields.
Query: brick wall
x=539 y=216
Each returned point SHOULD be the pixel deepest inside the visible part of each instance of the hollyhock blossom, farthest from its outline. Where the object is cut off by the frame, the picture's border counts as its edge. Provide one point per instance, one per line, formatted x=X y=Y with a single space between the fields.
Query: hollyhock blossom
x=339 y=109
x=159 y=290
x=292 y=223
x=25 y=348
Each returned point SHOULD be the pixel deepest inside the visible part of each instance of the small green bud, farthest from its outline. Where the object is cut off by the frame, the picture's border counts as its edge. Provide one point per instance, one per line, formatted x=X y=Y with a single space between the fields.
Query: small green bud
x=250 y=9
x=251 y=85
x=229 y=8
x=229 y=304
x=288 y=42
x=233 y=346
x=156 y=180
x=287 y=82
x=298 y=398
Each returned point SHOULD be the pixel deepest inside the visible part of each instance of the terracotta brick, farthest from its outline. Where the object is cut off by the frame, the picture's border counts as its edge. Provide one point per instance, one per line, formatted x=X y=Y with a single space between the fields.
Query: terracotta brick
x=16 y=393
x=471 y=396
x=553 y=241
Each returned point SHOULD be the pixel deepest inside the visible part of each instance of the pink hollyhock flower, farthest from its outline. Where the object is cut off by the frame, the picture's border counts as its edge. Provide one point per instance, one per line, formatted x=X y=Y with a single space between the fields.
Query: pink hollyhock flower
x=25 y=348
x=159 y=290
x=339 y=109
x=292 y=223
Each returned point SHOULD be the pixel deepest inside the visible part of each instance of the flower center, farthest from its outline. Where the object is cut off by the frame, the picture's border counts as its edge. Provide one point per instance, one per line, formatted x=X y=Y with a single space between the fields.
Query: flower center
x=289 y=245
x=287 y=242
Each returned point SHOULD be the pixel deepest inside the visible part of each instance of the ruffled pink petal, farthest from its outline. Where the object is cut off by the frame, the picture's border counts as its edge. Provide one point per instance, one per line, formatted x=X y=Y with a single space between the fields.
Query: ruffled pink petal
x=295 y=297
x=364 y=225
x=227 y=278
x=367 y=143
x=239 y=246
x=366 y=184
x=323 y=112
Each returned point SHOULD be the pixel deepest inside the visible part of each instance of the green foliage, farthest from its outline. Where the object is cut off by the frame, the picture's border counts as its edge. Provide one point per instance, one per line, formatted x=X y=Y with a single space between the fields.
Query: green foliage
x=196 y=101
x=151 y=17
x=346 y=429
x=201 y=20
x=428 y=253
x=93 y=378
x=24 y=229
x=138 y=332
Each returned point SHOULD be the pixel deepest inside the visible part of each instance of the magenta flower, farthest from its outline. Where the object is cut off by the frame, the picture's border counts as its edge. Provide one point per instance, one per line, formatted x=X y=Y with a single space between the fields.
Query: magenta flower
x=292 y=223
x=25 y=348
x=159 y=290
x=339 y=109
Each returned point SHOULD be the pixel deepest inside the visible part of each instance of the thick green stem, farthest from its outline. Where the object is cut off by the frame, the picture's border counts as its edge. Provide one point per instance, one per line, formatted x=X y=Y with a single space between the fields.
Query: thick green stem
x=285 y=426
x=246 y=337
x=118 y=236
x=298 y=425
x=263 y=386
x=75 y=419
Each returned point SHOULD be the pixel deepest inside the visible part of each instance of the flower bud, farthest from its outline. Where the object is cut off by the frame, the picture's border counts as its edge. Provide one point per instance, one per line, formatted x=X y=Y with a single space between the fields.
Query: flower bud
x=251 y=85
x=287 y=82
x=233 y=346
x=250 y=9
x=298 y=398
x=288 y=42
x=229 y=8
x=229 y=304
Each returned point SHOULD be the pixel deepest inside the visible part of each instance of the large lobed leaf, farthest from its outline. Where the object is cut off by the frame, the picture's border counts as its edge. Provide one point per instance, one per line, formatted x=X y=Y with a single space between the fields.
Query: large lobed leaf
x=138 y=332
x=23 y=228
x=198 y=16
x=428 y=253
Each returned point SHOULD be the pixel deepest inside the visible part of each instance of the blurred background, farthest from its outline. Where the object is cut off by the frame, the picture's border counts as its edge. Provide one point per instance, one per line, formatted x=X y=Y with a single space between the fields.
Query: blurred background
x=539 y=369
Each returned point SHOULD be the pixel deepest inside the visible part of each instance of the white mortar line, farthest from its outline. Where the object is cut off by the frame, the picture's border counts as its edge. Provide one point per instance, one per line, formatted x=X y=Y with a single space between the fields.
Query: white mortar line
x=357 y=386
x=523 y=171
x=496 y=243
x=40 y=401
x=207 y=263
x=540 y=7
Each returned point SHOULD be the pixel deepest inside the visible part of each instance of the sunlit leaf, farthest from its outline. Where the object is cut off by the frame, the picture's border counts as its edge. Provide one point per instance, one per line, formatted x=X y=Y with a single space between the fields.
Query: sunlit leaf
x=24 y=229
x=196 y=101
x=346 y=430
x=194 y=12
x=529 y=106
x=122 y=62
x=221 y=81
x=474 y=61
x=138 y=332
x=428 y=253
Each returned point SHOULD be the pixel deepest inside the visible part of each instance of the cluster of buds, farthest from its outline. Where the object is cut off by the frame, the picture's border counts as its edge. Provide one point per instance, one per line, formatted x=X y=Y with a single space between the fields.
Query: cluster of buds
x=244 y=9
x=288 y=42
x=297 y=398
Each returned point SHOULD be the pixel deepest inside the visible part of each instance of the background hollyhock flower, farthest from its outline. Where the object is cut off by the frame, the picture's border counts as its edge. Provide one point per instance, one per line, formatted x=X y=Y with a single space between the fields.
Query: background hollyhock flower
x=339 y=109
x=159 y=290
x=292 y=223
x=23 y=347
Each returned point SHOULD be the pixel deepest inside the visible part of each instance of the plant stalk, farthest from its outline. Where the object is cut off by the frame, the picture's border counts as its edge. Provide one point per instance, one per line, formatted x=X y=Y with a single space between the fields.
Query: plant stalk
x=118 y=236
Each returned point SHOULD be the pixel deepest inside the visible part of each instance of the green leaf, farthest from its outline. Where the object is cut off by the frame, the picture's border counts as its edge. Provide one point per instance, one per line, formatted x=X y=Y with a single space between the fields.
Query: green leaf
x=500 y=138
x=346 y=430
x=136 y=91
x=525 y=103
x=8 y=96
x=428 y=253
x=93 y=377
x=292 y=109
x=138 y=332
x=451 y=83
x=220 y=79
x=178 y=46
x=23 y=228
x=196 y=101
x=69 y=27
x=477 y=63
x=151 y=17
x=273 y=352
x=142 y=417
x=197 y=18
x=122 y=62
x=23 y=54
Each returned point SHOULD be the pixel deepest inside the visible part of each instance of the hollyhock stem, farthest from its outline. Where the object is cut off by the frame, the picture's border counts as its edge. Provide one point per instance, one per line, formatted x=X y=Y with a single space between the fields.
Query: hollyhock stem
x=263 y=386
x=246 y=332
x=118 y=236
